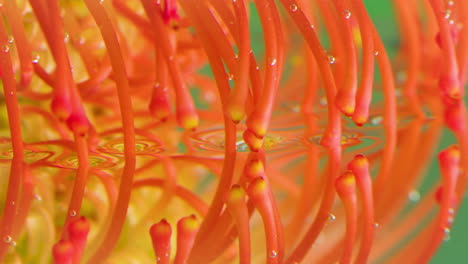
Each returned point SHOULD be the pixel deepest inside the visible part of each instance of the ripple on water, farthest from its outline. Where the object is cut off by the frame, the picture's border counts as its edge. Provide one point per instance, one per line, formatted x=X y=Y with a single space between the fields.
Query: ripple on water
x=348 y=139
x=214 y=140
x=98 y=161
x=30 y=155
x=142 y=147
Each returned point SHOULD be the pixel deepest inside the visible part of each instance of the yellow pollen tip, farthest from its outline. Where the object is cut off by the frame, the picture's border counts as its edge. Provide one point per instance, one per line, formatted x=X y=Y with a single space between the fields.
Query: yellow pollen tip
x=452 y=153
x=455 y=93
x=236 y=194
x=260 y=131
x=359 y=120
x=360 y=161
x=258 y=187
x=255 y=144
x=252 y=141
x=347 y=179
x=345 y=184
x=256 y=167
x=161 y=228
x=236 y=113
x=347 y=109
x=190 y=223
x=190 y=122
x=357 y=36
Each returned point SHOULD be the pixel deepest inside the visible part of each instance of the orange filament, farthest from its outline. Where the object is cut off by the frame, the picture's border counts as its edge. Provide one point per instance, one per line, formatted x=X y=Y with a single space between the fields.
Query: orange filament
x=449 y=164
x=346 y=189
x=364 y=93
x=13 y=14
x=230 y=140
x=411 y=48
x=161 y=238
x=462 y=51
x=346 y=97
x=238 y=95
x=110 y=39
x=258 y=191
x=16 y=177
x=81 y=178
x=187 y=228
x=269 y=137
x=390 y=116
x=238 y=209
x=78 y=231
x=258 y=121
x=159 y=105
x=185 y=109
x=448 y=82
x=360 y=167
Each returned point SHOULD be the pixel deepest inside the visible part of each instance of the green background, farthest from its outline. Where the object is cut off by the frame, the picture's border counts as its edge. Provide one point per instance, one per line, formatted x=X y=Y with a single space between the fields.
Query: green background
x=454 y=250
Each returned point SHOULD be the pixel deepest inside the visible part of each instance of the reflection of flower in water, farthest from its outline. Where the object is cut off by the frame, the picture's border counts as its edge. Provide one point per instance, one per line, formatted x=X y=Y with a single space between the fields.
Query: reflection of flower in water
x=115 y=122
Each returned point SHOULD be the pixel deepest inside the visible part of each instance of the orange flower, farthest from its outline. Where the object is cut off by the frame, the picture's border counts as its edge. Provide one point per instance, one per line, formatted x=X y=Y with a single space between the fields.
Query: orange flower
x=129 y=118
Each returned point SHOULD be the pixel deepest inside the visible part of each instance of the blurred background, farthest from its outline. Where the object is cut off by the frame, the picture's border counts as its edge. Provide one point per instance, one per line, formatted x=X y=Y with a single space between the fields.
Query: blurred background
x=453 y=250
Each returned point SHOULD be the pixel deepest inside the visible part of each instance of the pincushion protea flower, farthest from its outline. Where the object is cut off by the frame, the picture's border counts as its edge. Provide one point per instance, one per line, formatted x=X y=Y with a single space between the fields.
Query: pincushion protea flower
x=143 y=131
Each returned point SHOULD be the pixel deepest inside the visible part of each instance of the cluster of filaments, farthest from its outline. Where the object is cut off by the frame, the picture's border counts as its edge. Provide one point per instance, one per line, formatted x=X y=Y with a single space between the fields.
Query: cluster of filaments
x=77 y=75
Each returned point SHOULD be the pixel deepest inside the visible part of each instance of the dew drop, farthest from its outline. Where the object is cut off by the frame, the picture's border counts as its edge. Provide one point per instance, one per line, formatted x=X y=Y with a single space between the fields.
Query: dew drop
x=451 y=21
x=323 y=101
x=376 y=120
x=73 y=213
x=66 y=38
x=101 y=2
x=376 y=225
x=446 y=234
x=414 y=196
x=331 y=217
x=13 y=243
x=272 y=61
x=347 y=14
x=293 y=8
x=11 y=39
x=450 y=219
x=81 y=40
x=273 y=254
x=447 y=14
x=230 y=76
x=37 y=197
x=5 y=48
x=7 y=239
x=376 y=53
x=331 y=59
x=36 y=58
x=450 y=3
